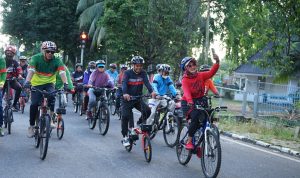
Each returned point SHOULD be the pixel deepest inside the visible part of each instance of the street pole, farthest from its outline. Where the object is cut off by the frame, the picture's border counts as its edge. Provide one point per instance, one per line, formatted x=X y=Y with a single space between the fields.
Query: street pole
x=82 y=51
x=207 y=32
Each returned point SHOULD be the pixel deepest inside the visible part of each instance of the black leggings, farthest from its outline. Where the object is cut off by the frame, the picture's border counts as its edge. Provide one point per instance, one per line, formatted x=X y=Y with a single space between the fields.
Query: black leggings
x=127 y=114
x=197 y=116
x=14 y=84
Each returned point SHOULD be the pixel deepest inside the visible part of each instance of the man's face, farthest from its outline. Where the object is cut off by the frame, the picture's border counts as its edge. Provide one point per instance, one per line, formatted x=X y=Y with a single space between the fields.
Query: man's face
x=9 y=54
x=48 y=54
x=137 y=68
x=79 y=69
x=22 y=62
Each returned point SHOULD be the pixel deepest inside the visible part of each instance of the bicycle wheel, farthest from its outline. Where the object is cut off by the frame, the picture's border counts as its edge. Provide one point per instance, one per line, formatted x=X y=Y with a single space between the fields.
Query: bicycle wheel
x=75 y=104
x=60 y=128
x=36 y=134
x=183 y=155
x=171 y=131
x=211 y=155
x=93 y=120
x=104 y=119
x=22 y=104
x=112 y=106
x=10 y=119
x=216 y=131
x=147 y=148
x=44 y=136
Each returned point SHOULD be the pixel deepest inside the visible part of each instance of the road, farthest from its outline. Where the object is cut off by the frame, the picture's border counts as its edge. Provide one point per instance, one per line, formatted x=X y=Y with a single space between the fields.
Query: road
x=84 y=153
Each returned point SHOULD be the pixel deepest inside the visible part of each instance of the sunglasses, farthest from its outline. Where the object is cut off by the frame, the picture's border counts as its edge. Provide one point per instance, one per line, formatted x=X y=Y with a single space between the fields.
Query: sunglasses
x=52 y=52
x=100 y=66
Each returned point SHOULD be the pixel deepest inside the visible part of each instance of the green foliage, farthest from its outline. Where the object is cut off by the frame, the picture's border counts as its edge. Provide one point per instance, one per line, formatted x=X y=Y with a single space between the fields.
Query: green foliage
x=34 y=20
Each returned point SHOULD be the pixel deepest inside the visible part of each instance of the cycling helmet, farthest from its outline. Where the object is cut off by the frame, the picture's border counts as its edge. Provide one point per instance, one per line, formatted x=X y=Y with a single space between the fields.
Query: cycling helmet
x=158 y=67
x=100 y=63
x=23 y=58
x=92 y=63
x=137 y=60
x=123 y=66
x=185 y=61
x=165 y=68
x=77 y=65
x=49 y=45
x=11 y=48
x=113 y=66
x=204 y=67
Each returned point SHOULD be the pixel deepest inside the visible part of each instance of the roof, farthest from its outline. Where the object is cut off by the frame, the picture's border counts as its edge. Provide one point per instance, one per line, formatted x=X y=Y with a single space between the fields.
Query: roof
x=251 y=69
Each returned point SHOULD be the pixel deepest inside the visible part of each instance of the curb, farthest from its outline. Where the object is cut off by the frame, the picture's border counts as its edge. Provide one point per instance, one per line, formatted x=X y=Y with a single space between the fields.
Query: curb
x=262 y=144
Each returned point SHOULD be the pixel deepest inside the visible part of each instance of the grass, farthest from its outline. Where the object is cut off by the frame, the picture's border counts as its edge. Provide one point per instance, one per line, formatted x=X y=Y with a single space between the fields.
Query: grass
x=278 y=135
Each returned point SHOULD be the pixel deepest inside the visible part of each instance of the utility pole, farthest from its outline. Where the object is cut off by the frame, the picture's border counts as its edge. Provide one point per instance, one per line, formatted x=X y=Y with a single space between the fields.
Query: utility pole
x=83 y=38
x=207 y=33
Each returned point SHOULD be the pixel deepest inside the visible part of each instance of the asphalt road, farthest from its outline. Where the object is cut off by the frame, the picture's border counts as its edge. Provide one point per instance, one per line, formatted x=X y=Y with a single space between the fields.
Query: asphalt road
x=85 y=153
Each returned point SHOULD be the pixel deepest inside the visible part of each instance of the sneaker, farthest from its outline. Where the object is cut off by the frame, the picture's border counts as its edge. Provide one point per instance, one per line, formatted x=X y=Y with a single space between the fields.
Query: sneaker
x=30 y=132
x=189 y=146
x=1 y=132
x=125 y=142
x=53 y=126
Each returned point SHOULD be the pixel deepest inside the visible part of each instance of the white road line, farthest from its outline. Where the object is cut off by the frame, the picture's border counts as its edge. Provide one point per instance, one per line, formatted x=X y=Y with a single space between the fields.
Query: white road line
x=259 y=149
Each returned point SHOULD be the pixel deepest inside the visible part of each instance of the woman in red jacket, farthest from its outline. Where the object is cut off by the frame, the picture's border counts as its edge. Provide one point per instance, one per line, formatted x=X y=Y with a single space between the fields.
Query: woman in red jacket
x=193 y=84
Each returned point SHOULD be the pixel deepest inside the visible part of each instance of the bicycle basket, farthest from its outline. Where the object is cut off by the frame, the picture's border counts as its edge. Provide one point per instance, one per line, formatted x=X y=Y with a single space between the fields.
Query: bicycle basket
x=146 y=128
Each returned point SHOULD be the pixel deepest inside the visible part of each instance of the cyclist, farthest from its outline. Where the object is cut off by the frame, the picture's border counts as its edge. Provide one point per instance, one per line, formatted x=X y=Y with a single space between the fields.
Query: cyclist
x=162 y=85
x=2 y=81
x=209 y=84
x=42 y=75
x=193 y=92
x=119 y=84
x=133 y=81
x=86 y=76
x=77 y=77
x=24 y=65
x=112 y=72
x=13 y=70
x=98 y=78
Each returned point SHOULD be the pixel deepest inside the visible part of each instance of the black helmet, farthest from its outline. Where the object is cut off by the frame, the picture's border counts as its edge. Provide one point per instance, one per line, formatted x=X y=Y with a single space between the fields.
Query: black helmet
x=137 y=60
x=204 y=67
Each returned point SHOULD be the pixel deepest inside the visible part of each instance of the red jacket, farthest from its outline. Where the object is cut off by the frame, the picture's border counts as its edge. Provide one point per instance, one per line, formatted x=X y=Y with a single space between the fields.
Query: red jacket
x=194 y=86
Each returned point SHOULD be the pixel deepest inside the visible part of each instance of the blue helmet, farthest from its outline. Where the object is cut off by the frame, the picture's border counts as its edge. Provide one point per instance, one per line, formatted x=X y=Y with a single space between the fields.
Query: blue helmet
x=185 y=61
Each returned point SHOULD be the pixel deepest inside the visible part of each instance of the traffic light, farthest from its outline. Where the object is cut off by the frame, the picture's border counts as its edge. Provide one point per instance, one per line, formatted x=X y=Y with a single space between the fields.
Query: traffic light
x=83 y=37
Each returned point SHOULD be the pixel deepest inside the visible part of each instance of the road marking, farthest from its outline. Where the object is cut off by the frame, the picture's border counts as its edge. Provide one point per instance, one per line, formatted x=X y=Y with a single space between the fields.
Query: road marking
x=259 y=149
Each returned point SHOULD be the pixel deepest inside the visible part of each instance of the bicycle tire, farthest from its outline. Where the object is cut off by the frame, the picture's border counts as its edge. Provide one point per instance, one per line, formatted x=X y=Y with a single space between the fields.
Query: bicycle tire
x=169 y=131
x=104 y=120
x=180 y=148
x=36 y=134
x=147 y=148
x=93 y=120
x=112 y=106
x=45 y=135
x=60 y=130
x=75 y=103
x=213 y=143
x=215 y=130
x=9 y=120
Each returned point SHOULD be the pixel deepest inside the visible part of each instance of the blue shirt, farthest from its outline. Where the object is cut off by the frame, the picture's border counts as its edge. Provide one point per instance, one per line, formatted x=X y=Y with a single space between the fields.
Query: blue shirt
x=113 y=75
x=163 y=86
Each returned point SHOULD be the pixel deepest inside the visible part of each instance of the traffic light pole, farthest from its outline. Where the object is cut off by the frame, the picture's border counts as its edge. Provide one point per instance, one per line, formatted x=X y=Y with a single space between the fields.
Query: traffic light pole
x=82 y=52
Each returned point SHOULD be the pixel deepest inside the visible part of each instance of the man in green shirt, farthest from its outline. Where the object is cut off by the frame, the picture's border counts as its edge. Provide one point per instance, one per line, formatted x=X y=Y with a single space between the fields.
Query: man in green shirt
x=2 y=81
x=43 y=68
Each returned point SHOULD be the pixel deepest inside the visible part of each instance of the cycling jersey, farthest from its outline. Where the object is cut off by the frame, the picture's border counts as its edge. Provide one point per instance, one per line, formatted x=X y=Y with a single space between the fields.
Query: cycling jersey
x=86 y=76
x=163 y=86
x=13 y=68
x=133 y=83
x=60 y=84
x=100 y=79
x=2 y=72
x=78 y=76
x=45 y=71
x=112 y=75
x=194 y=85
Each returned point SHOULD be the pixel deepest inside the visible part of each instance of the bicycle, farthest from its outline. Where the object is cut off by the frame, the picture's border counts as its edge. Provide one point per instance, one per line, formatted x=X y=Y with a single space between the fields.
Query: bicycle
x=112 y=100
x=206 y=144
x=42 y=127
x=23 y=97
x=169 y=122
x=57 y=116
x=100 y=112
x=144 y=130
x=78 y=99
x=8 y=117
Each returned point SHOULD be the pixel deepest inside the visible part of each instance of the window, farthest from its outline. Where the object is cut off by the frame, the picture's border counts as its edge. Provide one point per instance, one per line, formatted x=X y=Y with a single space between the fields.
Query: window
x=262 y=81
